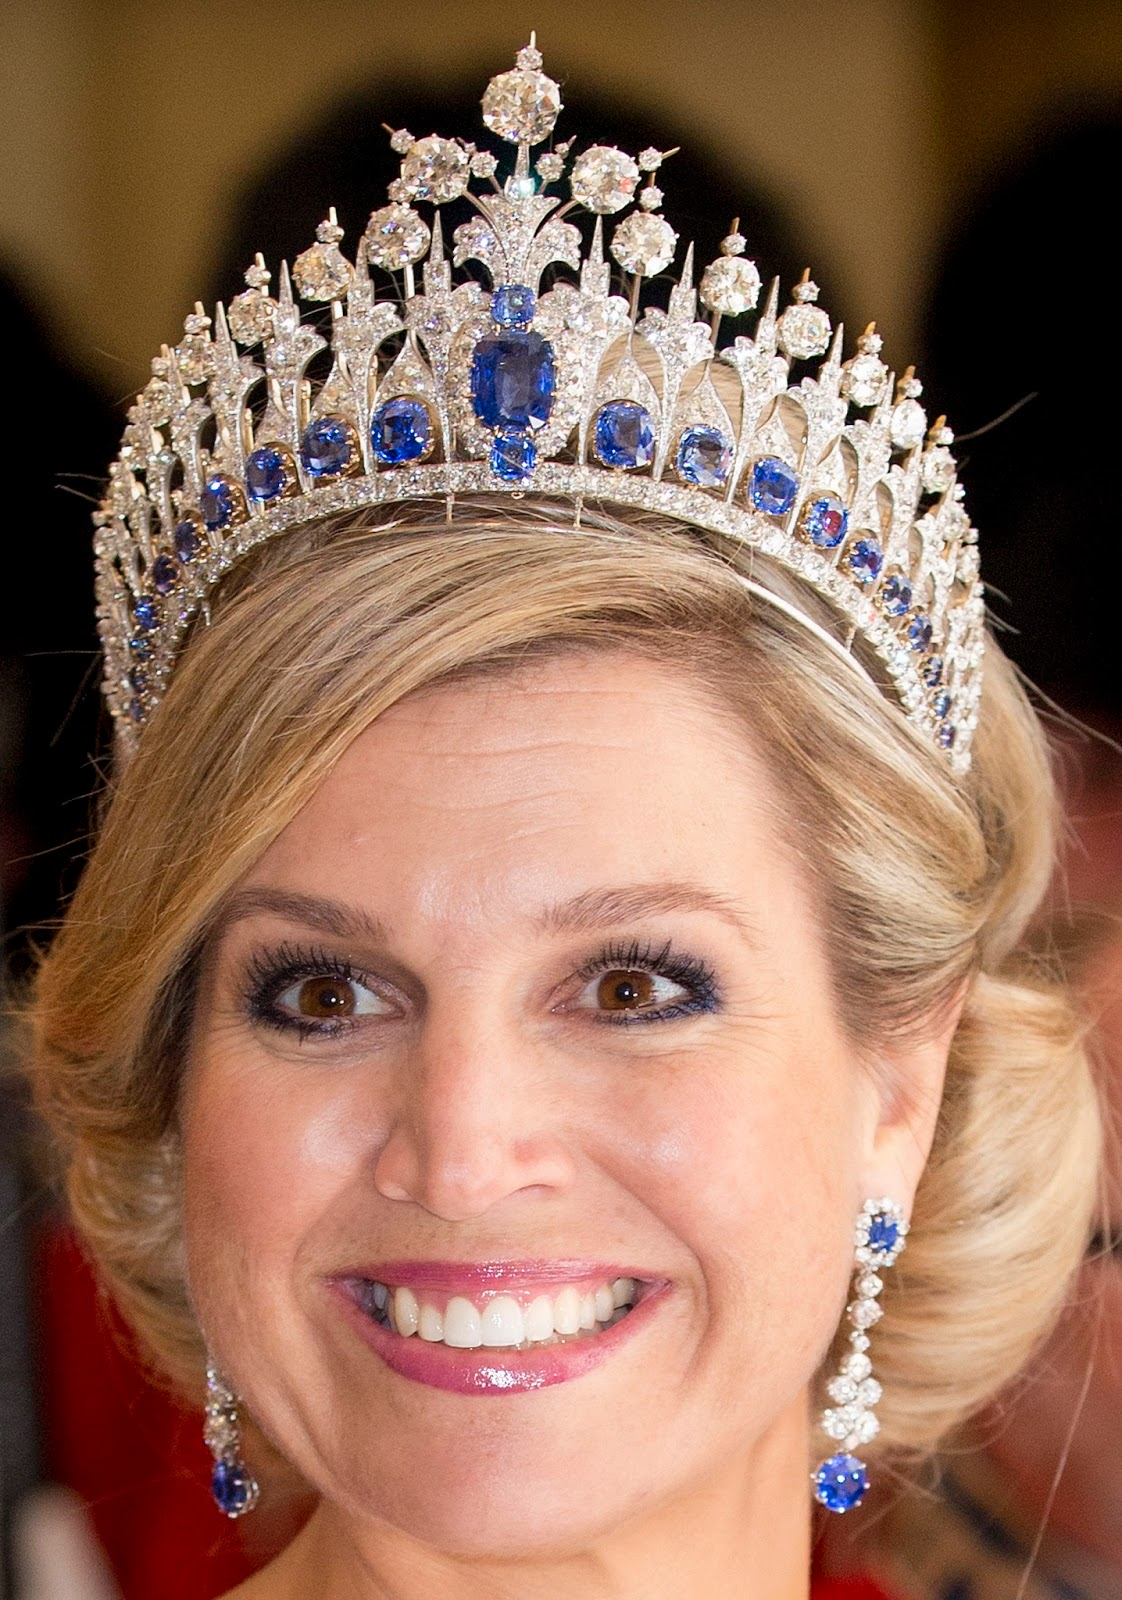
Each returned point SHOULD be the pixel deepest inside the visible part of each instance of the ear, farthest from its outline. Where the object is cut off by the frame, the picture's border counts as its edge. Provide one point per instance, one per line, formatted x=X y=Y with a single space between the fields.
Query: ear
x=905 y=1091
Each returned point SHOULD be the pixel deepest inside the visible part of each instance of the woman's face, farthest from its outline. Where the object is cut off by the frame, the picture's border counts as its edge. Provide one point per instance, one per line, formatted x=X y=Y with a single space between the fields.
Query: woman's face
x=527 y=1018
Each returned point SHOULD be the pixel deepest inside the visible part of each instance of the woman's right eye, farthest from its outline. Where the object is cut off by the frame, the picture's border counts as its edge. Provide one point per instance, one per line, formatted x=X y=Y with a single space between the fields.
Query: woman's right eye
x=329 y=998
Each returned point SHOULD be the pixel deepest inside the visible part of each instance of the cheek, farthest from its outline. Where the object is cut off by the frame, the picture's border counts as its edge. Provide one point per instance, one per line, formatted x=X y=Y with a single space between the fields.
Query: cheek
x=269 y=1150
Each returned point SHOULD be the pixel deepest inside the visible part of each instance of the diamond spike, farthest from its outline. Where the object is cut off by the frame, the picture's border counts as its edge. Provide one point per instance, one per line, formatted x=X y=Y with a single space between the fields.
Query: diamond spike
x=221 y=327
x=284 y=294
x=686 y=278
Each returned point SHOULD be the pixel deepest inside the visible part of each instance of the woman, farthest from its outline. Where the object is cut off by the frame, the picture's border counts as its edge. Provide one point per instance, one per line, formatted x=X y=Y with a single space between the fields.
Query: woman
x=559 y=908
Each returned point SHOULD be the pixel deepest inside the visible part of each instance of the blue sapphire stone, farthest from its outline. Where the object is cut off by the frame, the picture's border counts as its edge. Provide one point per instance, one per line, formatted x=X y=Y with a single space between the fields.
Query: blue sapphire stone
x=624 y=435
x=933 y=672
x=141 y=647
x=165 y=572
x=884 y=1234
x=513 y=379
x=942 y=704
x=146 y=614
x=400 y=431
x=514 y=455
x=896 y=596
x=919 y=632
x=841 y=1483
x=217 y=503
x=946 y=735
x=773 y=486
x=825 y=522
x=325 y=447
x=704 y=457
x=865 y=560
x=136 y=712
x=139 y=680
x=187 y=540
x=513 y=305
x=232 y=1487
x=266 y=473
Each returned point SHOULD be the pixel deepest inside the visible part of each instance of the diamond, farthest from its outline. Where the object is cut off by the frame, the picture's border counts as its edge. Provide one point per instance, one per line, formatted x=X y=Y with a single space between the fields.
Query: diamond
x=522 y=106
x=484 y=164
x=734 y=244
x=513 y=305
x=869 y=1392
x=436 y=169
x=550 y=167
x=704 y=457
x=896 y=596
x=908 y=425
x=857 y=1367
x=252 y=316
x=651 y=197
x=841 y=1483
x=937 y=469
x=400 y=431
x=650 y=159
x=165 y=573
x=269 y=474
x=843 y=1390
x=188 y=539
x=233 y=1487
x=865 y=558
x=603 y=179
x=155 y=401
x=401 y=141
x=513 y=455
x=220 y=1433
x=804 y=331
x=624 y=435
x=193 y=357
x=773 y=485
x=322 y=272
x=824 y=521
x=395 y=236
x=919 y=637
x=869 y=1285
x=644 y=244
x=864 y=1313
x=513 y=379
x=863 y=379
x=328 y=447
x=730 y=285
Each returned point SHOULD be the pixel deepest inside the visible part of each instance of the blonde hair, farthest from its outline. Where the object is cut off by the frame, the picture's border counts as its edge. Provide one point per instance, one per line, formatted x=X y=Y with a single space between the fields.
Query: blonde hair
x=925 y=884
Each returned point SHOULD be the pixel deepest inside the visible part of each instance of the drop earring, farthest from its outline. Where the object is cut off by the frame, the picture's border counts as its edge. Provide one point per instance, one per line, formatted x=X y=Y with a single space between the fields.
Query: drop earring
x=842 y=1482
x=232 y=1484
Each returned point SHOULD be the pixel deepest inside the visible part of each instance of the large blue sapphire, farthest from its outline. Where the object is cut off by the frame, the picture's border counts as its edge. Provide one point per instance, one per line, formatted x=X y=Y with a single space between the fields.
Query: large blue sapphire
x=513 y=379
x=841 y=1483
x=773 y=486
x=933 y=672
x=266 y=473
x=704 y=457
x=146 y=614
x=400 y=431
x=825 y=521
x=920 y=632
x=233 y=1488
x=165 y=572
x=217 y=502
x=896 y=596
x=624 y=435
x=866 y=558
x=326 y=447
x=513 y=304
x=188 y=539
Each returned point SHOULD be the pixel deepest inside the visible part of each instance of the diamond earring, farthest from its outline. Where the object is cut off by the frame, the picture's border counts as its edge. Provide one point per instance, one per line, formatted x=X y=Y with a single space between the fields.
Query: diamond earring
x=842 y=1482
x=232 y=1484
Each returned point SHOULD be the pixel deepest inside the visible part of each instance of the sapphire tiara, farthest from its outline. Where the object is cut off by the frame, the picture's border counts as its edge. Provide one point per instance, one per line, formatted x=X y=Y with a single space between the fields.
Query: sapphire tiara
x=448 y=387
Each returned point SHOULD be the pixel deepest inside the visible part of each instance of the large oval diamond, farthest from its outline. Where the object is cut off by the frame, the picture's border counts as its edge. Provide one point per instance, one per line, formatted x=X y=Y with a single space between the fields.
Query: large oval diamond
x=512 y=379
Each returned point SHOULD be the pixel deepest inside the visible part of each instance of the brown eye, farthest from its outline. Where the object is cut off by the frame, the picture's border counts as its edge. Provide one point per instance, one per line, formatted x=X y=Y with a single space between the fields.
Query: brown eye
x=325 y=997
x=624 y=990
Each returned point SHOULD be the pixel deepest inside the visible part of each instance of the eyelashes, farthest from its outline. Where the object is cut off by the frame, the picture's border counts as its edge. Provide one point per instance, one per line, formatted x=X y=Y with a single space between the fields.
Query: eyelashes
x=310 y=992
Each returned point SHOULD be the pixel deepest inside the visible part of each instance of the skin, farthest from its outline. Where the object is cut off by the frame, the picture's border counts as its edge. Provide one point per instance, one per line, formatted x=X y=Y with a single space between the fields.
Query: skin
x=490 y=1111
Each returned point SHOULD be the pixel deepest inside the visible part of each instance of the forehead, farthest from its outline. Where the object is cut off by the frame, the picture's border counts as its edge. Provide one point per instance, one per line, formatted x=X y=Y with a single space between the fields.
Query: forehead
x=544 y=781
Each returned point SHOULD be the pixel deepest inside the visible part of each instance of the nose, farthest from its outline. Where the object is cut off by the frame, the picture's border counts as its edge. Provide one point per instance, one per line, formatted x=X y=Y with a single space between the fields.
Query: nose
x=475 y=1122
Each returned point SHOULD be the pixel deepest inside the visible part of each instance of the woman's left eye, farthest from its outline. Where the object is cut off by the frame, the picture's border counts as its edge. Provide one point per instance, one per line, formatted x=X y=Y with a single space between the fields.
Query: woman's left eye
x=634 y=990
x=329 y=998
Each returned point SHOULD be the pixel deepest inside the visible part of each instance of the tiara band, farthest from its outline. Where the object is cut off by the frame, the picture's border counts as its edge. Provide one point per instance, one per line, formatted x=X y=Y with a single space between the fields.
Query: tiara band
x=575 y=393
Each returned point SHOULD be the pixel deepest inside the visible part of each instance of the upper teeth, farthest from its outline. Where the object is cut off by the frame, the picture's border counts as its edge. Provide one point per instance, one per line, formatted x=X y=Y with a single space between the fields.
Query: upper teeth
x=501 y=1320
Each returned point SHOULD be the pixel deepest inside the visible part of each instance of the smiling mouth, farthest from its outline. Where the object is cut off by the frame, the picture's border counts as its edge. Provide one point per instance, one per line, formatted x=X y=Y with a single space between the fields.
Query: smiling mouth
x=497 y=1320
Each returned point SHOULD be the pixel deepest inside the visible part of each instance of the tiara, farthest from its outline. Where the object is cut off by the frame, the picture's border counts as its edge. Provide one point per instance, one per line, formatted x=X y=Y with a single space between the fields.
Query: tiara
x=576 y=391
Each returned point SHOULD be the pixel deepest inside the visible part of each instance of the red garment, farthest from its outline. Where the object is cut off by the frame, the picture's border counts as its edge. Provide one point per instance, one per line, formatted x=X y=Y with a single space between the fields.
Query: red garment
x=137 y=1458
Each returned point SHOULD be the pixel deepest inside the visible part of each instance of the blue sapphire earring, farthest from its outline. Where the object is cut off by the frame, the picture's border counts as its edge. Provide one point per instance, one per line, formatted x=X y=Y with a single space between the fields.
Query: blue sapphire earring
x=232 y=1484
x=842 y=1482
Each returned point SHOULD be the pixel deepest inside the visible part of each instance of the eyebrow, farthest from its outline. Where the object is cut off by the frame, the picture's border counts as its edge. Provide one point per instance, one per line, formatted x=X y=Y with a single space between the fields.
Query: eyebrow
x=584 y=913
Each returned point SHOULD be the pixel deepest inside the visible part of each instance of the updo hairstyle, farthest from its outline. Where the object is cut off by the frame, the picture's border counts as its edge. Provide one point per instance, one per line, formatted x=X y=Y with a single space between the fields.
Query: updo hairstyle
x=924 y=886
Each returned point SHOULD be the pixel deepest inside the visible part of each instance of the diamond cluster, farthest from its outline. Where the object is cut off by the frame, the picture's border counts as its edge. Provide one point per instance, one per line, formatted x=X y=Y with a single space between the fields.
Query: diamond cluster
x=440 y=385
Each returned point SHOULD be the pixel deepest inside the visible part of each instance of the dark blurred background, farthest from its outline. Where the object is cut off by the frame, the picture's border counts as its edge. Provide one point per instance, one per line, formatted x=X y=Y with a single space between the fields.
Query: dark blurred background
x=948 y=167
